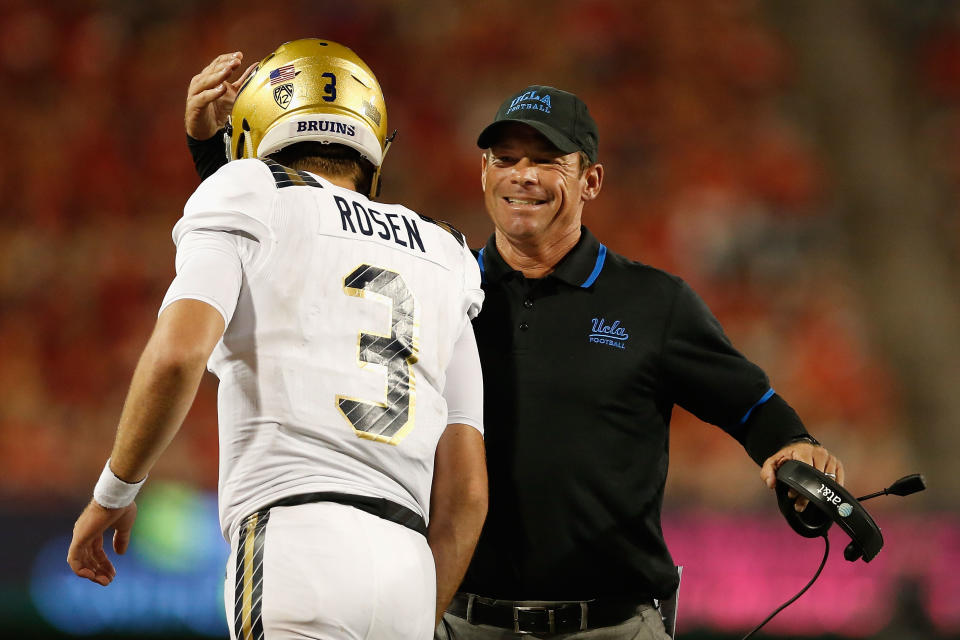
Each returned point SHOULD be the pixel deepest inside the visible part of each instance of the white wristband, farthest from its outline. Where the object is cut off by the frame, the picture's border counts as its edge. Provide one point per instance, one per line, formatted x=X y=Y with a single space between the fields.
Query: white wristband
x=112 y=492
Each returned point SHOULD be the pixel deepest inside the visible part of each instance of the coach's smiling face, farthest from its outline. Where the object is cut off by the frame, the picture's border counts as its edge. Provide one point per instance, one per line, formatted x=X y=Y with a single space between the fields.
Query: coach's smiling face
x=534 y=192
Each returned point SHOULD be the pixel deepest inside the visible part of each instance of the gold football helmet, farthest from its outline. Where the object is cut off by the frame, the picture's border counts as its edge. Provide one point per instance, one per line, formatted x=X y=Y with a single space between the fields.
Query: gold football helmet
x=309 y=90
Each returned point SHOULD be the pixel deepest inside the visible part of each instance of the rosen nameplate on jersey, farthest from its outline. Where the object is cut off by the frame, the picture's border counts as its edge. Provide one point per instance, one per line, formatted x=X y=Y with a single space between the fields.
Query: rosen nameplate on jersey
x=358 y=219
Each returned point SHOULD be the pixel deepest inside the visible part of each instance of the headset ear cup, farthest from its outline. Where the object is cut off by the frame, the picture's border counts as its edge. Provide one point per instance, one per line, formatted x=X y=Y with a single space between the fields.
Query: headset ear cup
x=812 y=522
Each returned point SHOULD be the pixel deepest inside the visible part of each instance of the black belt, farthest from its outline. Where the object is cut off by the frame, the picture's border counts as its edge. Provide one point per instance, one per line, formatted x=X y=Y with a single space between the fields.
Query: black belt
x=380 y=507
x=545 y=618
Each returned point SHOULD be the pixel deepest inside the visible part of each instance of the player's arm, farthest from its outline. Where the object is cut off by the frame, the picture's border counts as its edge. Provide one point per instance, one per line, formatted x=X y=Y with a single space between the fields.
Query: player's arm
x=197 y=308
x=164 y=385
x=162 y=390
x=210 y=99
x=458 y=507
x=458 y=501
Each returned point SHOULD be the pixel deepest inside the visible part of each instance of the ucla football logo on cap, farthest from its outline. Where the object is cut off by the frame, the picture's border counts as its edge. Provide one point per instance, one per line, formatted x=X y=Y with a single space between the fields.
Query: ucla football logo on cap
x=531 y=100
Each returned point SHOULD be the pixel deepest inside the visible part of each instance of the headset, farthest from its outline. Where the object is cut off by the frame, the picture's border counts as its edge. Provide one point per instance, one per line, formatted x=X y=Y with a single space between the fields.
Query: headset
x=830 y=503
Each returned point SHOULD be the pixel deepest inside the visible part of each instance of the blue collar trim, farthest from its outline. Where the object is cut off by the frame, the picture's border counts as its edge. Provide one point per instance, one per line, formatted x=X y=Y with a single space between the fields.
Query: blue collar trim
x=483 y=273
x=597 y=268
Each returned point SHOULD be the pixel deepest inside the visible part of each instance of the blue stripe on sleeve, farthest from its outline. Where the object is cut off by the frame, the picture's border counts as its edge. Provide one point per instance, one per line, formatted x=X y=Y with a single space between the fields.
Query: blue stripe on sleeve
x=766 y=396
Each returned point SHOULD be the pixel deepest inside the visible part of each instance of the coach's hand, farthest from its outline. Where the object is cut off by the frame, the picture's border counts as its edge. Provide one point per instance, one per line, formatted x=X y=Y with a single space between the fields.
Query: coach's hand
x=211 y=95
x=814 y=455
x=86 y=555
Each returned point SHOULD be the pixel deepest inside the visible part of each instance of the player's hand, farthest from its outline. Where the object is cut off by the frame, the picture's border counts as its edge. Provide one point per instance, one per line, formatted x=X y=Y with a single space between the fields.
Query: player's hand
x=86 y=555
x=814 y=455
x=211 y=95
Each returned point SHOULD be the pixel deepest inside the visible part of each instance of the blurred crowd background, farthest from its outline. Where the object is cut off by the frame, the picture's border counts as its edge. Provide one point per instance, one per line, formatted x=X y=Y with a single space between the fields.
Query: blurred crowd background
x=796 y=162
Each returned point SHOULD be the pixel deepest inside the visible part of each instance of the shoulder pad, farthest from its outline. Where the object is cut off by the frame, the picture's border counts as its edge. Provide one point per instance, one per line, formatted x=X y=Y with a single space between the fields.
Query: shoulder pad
x=238 y=197
x=287 y=177
x=446 y=226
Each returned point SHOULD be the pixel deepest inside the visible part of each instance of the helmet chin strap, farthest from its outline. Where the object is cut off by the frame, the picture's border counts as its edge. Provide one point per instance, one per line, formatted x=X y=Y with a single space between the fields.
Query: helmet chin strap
x=375 y=183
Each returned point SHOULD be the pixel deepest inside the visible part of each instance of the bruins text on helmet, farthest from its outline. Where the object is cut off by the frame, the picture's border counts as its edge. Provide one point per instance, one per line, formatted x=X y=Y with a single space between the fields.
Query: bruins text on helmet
x=310 y=90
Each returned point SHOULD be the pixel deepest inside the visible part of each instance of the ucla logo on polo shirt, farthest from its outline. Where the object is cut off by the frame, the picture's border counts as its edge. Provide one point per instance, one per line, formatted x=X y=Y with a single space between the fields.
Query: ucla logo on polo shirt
x=612 y=335
x=531 y=100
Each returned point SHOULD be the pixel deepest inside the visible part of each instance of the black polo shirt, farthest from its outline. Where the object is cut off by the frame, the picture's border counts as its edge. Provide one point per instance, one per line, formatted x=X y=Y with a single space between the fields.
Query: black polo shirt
x=581 y=371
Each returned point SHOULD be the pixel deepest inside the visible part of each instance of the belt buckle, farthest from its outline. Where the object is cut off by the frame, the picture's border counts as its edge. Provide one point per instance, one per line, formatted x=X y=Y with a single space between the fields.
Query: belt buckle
x=551 y=619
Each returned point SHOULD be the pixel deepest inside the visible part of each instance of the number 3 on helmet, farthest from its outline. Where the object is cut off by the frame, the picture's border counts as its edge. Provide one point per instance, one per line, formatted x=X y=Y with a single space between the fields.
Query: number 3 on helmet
x=309 y=90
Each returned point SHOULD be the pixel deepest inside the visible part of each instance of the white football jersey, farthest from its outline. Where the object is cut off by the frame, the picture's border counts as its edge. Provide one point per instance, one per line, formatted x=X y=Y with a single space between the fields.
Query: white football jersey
x=332 y=365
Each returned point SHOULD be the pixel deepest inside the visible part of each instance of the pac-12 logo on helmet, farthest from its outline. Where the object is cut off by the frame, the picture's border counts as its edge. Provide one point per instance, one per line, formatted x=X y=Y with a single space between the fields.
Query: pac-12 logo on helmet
x=283 y=95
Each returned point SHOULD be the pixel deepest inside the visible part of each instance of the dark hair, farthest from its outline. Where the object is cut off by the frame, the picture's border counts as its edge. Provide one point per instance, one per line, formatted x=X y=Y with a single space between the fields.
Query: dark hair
x=584 y=162
x=330 y=160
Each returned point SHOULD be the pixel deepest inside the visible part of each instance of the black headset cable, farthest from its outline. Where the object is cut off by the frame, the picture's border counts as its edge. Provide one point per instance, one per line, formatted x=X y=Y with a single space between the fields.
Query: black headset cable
x=826 y=553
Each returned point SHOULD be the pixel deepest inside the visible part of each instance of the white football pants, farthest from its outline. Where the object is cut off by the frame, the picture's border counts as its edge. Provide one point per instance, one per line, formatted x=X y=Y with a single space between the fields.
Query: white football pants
x=330 y=571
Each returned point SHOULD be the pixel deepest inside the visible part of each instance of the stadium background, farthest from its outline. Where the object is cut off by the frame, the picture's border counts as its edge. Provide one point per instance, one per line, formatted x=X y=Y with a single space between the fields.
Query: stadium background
x=796 y=162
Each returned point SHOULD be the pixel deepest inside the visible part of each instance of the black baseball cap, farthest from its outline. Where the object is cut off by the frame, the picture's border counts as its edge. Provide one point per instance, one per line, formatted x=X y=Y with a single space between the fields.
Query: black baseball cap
x=559 y=115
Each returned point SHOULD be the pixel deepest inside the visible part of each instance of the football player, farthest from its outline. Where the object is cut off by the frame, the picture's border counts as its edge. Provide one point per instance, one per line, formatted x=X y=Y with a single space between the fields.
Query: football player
x=352 y=475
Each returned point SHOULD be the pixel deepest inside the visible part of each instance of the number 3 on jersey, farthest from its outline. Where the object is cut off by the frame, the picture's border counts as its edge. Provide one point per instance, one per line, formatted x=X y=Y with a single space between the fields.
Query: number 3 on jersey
x=388 y=421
